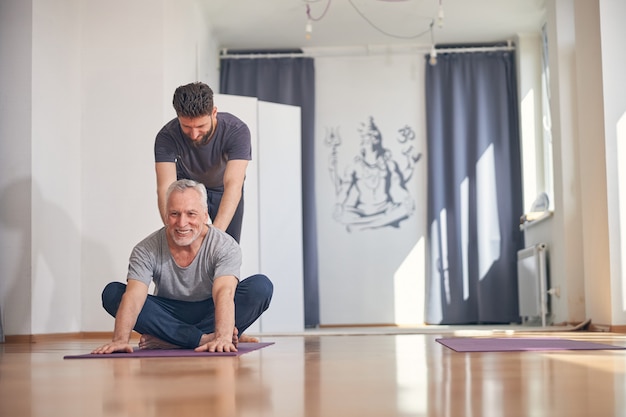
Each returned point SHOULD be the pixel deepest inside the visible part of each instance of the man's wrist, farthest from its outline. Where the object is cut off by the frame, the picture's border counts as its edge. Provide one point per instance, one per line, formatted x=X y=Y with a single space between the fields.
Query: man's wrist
x=121 y=339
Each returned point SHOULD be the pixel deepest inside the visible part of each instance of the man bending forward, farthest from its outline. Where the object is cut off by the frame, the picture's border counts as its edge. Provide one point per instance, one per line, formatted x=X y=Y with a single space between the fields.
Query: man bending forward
x=199 y=301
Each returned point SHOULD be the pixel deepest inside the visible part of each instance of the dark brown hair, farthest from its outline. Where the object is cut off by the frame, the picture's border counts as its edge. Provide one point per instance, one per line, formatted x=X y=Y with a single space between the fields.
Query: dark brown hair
x=193 y=100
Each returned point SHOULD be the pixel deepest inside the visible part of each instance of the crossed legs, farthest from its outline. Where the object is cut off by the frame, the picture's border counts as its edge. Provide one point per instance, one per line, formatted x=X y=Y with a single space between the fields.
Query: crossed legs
x=167 y=323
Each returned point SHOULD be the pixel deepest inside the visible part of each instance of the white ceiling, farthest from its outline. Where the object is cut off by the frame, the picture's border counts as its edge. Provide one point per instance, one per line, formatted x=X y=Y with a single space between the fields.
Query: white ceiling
x=280 y=24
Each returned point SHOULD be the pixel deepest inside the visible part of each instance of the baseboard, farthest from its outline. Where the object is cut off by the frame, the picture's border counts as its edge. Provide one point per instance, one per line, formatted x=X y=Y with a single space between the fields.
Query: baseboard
x=331 y=326
x=605 y=328
x=55 y=337
x=618 y=329
x=20 y=338
x=588 y=326
x=38 y=338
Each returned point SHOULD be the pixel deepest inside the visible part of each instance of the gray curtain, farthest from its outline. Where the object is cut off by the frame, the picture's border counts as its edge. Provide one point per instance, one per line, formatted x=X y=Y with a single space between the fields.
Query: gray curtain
x=474 y=188
x=286 y=81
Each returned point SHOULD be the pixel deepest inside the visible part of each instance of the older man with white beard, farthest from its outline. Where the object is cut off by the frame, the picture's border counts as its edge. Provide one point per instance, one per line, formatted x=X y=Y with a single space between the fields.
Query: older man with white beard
x=199 y=300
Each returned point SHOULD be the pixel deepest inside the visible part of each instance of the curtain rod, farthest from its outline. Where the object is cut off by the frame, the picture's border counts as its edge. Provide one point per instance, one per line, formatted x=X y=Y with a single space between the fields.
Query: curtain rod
x=368 y=51
x=474 y=49
x=262 y=55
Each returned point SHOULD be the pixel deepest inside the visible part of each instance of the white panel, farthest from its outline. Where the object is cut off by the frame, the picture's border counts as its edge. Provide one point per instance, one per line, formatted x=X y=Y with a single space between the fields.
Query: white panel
x=271 y=239
x=528 y=283
x=532 y=282
x=246 y=109
x=280 y=218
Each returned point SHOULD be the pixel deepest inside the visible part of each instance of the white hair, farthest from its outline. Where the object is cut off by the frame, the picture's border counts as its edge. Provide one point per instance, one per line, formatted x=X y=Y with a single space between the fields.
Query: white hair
x=182 y=185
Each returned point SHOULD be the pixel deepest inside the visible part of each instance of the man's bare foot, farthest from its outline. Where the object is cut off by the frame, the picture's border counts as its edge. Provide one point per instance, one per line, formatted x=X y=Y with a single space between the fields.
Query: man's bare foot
x=243 y=338
x=147 y=341
x=248 y=339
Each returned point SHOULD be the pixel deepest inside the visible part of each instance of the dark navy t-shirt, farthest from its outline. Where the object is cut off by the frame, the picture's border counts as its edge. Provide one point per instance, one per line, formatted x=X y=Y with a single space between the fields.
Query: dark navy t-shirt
x=205 y=164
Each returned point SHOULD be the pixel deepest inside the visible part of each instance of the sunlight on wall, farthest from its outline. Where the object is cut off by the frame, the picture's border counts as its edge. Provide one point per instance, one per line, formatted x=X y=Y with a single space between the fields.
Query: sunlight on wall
x=488 y=218
x=529 y=150
x=487 y=229
x=621 y=184
x=443 y=268
x=409 y=287
x=434 y=276
x=464 y=190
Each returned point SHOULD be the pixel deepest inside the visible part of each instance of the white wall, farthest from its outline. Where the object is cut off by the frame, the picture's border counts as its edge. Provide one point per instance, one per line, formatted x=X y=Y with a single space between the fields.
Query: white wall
x=371 y=276
x=593 y=165
x=88 y=87
x=122 y=78
x=129 y=77
x=76 y=86
x=566 y=255
x=56 y=167
x=190 y=53
x=587 y=59
x=613 y=56
x=15 y=166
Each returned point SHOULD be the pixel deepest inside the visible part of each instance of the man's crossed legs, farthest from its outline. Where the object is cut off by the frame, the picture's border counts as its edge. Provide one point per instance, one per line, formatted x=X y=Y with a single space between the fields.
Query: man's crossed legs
x=167 y=324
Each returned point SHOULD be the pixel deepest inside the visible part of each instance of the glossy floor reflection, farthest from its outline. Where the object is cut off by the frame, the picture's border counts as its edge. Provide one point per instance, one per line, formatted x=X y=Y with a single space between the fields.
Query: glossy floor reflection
x=318 y=376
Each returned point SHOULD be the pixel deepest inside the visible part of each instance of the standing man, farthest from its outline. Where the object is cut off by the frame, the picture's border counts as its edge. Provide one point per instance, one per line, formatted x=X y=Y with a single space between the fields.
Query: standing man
x=208 y=147
x=199 y=301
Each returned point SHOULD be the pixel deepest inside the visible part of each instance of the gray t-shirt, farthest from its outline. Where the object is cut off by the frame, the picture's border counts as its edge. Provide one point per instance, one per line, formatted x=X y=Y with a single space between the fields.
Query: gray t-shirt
x=205 y=164
x=151 y=261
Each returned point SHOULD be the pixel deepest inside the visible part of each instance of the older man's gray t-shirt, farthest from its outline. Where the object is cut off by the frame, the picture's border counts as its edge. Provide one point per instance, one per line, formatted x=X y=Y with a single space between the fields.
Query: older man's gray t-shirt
x=151 y=261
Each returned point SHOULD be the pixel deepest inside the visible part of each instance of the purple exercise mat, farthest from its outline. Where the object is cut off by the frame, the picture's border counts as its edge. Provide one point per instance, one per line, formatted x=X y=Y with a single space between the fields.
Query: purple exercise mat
x=172 y=353
x=517 y=344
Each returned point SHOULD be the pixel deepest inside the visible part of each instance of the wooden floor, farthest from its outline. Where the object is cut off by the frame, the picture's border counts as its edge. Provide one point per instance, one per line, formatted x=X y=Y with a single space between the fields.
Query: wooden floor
x=319 y=375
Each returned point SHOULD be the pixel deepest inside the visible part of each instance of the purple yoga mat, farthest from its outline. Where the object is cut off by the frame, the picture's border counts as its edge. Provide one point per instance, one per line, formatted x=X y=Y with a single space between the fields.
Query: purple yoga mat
x=518 y=344
x=172 y=353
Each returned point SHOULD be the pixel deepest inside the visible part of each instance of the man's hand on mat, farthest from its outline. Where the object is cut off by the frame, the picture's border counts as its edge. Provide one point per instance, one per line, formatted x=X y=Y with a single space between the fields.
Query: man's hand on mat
x=114 y=347
x=218 y=344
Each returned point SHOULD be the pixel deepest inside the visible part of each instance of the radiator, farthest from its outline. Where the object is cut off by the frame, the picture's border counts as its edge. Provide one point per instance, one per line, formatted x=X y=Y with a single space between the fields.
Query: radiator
x=532 y=283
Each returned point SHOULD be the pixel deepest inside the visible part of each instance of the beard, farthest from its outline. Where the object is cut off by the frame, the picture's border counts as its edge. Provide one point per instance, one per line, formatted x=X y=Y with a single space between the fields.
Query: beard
x=206 y=138
x=185 y=239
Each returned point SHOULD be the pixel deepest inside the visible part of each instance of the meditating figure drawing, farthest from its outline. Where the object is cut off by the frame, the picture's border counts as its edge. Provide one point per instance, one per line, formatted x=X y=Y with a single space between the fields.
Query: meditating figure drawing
x=372 y=191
